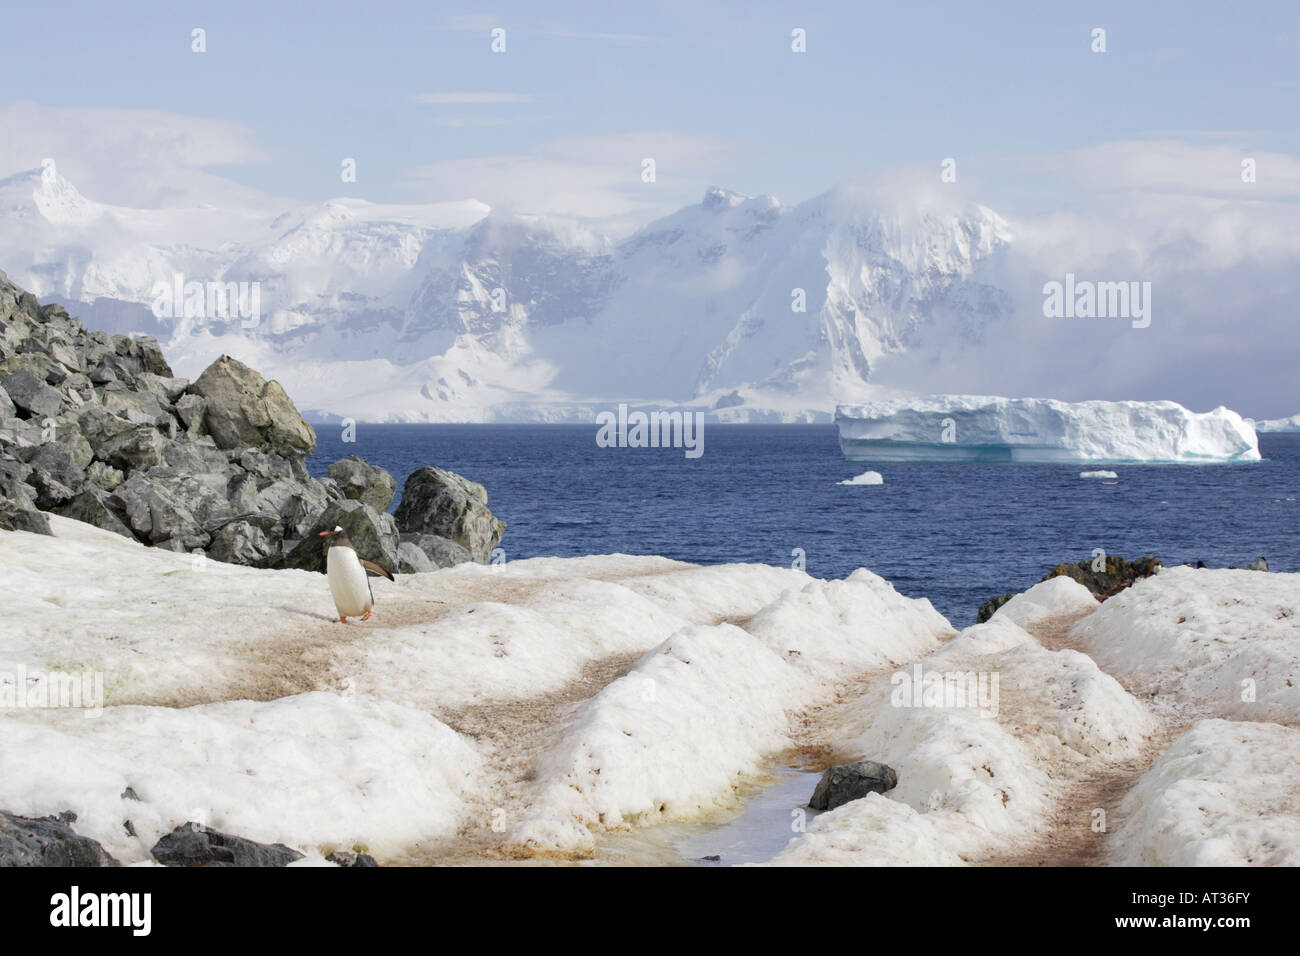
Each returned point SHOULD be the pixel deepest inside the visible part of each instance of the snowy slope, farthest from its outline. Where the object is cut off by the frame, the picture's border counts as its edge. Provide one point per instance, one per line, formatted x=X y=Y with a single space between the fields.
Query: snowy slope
x=973 y=427
x=450 y=311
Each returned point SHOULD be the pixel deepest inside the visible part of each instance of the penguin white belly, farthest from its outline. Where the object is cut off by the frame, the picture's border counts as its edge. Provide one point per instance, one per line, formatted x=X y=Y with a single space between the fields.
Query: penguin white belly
x=348 y=584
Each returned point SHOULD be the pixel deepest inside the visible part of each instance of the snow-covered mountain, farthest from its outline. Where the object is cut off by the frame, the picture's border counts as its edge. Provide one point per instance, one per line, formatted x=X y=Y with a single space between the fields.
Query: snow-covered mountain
x=453 y=312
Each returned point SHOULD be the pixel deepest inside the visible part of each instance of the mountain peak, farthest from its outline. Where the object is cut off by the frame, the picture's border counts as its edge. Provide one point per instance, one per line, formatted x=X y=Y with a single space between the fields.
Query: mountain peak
x=44 y=192
x=715 y=197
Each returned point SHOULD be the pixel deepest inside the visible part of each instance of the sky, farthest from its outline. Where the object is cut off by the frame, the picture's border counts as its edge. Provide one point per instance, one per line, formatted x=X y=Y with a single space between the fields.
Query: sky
x=1127 y=162
x=561 y=120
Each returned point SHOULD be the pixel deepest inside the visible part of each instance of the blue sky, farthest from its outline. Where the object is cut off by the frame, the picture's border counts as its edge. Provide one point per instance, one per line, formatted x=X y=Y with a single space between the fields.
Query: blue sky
x=713 y=91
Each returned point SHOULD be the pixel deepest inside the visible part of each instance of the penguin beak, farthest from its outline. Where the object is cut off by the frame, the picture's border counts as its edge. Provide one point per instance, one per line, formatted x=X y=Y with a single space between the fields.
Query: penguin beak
x=325 y=534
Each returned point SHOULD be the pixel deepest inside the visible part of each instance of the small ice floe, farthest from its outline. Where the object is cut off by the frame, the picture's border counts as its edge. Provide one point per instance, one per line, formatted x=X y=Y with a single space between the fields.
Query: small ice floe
x=1098 y=474
x=866 y=478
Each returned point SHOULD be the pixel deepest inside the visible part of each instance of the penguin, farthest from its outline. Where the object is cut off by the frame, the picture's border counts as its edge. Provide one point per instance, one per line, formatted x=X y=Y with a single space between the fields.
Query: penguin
x=349 y=584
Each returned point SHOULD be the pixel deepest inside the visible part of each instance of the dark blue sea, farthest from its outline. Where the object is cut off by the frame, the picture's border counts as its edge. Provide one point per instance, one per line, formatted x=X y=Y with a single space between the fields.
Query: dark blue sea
x=955 y=533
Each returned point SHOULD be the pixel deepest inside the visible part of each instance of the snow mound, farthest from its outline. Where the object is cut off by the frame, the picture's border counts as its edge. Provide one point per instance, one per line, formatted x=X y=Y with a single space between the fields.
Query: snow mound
x=1225 y=793
x=982 y=428
x=1058 y=595
x=1219 y=643
x=1098 y=474
x=866 y=478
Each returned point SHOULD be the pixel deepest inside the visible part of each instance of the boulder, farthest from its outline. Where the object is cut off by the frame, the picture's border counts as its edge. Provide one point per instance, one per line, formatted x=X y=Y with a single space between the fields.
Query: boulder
x=411 y=560
x=95 y=506
x=361 y=481
x=350 y=860
x=168 y=506
x=439 y=502
x=245 y=409
x=31 y=395
x=195 y=845
x=190 y=409
x=127 y=447
x=244 y=542
x=7 y=407
x=1117 y=574
x=13 y=517
x=850 y=781
x=991 y=606
x=47 y=841
x=439 y=551
x=373 y=534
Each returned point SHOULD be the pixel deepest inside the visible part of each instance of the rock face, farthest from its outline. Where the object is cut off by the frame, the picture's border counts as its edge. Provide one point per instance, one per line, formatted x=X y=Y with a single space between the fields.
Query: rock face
x=97 y=428
x=442 y=503
x=244 y=410
x=47 y=841
x=196 y=845
x=850 y=781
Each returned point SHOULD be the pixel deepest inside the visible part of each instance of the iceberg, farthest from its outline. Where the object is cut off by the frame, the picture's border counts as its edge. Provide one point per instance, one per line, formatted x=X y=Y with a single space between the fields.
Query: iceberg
x=866 y=478
x=1291 y=424
x=989 y=428
x=1098 y=474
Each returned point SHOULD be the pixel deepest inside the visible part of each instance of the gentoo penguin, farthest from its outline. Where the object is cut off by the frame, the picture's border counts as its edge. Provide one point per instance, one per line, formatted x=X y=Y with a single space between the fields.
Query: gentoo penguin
x=346 y=572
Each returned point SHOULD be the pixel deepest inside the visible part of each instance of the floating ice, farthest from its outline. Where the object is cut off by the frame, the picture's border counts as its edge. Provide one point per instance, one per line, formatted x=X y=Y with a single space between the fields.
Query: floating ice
x=866 y=478
x=1098 y=474
x=983 y=428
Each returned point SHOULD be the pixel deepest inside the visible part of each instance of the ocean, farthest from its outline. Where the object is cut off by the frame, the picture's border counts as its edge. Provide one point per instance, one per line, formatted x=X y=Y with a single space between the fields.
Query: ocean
x=955 y=533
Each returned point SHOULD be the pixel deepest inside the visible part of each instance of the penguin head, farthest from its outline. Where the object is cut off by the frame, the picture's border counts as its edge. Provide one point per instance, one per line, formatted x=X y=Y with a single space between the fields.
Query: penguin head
x=336 y=537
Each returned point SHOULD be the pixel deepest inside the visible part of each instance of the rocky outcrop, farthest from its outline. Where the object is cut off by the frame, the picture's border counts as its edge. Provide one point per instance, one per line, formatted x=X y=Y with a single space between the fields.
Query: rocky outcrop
x=1105 y=581
x=47 y=841
x=446 y=505
x=850 y=781
x=196 y=845
x=97 y=428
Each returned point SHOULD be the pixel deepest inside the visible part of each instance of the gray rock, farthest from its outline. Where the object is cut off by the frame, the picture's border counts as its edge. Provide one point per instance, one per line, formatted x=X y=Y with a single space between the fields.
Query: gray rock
x=846 y=782
x=54 y=461
x=7 y=407
x=411 y=560
x=47 y=841
x=16 y=518
x=31 y=395
x=443 y=503
x=373 y=535
x=196 y=845
x=242 y=542
x=47 y=490
x=245 y=409
x=120 y=443
x=271 y=467
x=165 y=505
x=190 y=409
x=104 y=476
x=361 y=481
x=441 y=552
x=95 y=506
x=346 y=858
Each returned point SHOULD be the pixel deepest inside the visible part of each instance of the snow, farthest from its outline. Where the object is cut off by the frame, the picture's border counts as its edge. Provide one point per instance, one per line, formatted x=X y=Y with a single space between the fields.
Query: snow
x=1223 y=794
x=1214 y=643
x=980 y=428
x=866 y=478
x=1098 y=474
x=575 y=699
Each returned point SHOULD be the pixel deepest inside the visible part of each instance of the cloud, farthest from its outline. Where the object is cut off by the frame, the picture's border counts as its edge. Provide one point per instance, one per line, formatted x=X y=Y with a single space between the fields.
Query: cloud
x=474 y=98
x=130 y=157
x=597 y=178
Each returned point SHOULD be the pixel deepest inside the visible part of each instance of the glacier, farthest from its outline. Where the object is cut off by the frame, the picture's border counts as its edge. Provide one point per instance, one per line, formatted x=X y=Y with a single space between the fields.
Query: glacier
x=990 y=428
x=1291 y=424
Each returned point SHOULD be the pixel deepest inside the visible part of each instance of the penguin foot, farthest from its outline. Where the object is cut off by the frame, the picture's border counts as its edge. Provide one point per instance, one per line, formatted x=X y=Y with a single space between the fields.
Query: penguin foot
x=366 y=616
x=341 y=620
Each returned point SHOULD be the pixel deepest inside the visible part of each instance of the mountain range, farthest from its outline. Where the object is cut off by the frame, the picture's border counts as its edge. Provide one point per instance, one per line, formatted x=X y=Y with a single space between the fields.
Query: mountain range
x=742 y=306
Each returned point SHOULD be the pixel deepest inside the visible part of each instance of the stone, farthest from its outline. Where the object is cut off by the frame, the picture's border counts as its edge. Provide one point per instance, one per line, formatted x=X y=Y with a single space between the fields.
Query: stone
x=991 y=606
x=373 y=534
x=190 y=409
x=443 y=503
x=242 y=542
x=195 y=845
x=47 y=841
x=350 y=860
x=31 y=395
x=245 y=409
x=846 y=782
x=439 y=551
x=16 y=518
x=95 y=506
x=165 y=505
x=361 y=481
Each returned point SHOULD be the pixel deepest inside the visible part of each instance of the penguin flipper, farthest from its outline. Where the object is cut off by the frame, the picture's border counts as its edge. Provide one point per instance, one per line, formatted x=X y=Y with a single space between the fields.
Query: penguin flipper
x=371 y=566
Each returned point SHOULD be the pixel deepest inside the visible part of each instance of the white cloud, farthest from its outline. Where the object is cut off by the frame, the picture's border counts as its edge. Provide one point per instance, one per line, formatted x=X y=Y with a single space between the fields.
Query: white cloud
x=130 y=157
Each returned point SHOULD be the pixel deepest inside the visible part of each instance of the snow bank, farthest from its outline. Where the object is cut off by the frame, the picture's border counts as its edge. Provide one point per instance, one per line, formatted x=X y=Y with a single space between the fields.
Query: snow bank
x=972 y=783
x=1218 y=643
x=1224 y=794
x=980 y=428
x=1055 y=596
x=671 y=739
x=866 y=478
x=313 y=770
